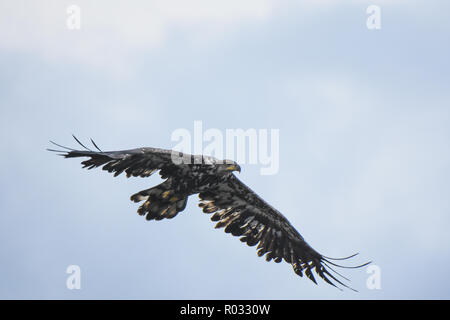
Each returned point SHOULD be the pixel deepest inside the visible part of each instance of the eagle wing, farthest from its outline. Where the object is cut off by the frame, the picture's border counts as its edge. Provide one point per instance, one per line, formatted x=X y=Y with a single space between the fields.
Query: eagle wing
x=243 y=213
x=139 y=162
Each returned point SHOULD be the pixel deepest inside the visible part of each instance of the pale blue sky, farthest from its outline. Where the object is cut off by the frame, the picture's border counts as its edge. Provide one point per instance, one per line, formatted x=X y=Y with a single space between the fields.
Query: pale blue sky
x=364 y=121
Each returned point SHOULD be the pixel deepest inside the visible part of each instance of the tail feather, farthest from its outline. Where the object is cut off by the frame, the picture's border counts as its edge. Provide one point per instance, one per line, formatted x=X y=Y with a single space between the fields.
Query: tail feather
x=160 y=202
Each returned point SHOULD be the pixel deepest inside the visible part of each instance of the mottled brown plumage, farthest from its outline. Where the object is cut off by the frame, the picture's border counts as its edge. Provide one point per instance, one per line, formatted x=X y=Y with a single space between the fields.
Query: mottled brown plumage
x=233 y=205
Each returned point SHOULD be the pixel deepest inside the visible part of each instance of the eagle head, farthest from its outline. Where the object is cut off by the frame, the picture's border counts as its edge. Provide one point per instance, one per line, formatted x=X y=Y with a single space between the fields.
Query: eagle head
x=229 y=166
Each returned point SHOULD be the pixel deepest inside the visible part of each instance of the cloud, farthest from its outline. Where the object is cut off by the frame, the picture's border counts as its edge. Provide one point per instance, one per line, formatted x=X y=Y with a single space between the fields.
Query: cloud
x=112 y=32
x=114 y=35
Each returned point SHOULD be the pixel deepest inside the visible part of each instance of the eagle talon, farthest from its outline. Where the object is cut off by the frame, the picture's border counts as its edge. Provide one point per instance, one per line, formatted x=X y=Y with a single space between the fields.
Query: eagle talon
x=166 y=194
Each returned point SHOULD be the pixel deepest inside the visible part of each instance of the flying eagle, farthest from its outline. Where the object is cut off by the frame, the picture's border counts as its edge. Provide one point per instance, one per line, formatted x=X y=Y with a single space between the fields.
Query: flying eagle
x=234 y=206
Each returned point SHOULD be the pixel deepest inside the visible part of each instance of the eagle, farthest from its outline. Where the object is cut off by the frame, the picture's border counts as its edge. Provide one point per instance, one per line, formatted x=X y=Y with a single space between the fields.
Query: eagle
x=233 y=205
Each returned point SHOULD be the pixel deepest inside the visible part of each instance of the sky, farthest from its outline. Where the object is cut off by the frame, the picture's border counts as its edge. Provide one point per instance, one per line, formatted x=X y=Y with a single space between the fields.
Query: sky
x=363 y=118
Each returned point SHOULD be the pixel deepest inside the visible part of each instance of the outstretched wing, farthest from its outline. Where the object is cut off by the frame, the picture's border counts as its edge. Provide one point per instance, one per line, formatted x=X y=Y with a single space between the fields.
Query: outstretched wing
x=140 y=162
x=165 y=200
x=243 y=213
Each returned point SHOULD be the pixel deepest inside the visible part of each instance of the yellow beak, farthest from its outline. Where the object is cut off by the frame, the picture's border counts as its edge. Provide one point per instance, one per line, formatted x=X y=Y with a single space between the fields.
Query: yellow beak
x=234 y=167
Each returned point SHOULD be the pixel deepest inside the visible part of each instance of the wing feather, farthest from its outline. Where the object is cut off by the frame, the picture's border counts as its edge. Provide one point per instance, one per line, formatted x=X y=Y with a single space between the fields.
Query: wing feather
x=139 y=162
x=243 y=213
